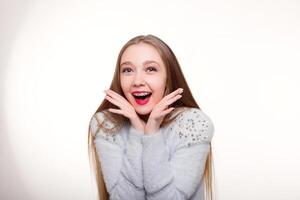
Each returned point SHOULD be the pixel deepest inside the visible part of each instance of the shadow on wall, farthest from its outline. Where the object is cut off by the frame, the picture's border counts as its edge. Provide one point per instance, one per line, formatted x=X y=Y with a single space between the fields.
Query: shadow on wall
x=11 y=15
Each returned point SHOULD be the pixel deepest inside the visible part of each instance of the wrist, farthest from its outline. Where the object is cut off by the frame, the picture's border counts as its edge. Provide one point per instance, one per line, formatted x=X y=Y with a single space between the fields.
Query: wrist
x=137 y=124
x=151 y=131
x=151 y=128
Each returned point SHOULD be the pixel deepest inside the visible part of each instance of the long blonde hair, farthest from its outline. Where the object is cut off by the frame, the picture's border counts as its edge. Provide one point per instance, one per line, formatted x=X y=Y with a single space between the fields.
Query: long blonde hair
x=175 y=79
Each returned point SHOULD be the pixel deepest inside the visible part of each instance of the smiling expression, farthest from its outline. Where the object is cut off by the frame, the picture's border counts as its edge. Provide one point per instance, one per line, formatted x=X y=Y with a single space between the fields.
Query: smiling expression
x=142 y=70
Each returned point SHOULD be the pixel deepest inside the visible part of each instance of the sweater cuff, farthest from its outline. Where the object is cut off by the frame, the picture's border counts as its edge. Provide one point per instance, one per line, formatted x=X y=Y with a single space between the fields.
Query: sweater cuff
x=154 y=139
x=135 y=134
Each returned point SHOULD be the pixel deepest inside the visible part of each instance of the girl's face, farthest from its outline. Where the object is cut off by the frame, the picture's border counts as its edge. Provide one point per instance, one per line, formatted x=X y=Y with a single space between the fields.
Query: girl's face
x=142 y=72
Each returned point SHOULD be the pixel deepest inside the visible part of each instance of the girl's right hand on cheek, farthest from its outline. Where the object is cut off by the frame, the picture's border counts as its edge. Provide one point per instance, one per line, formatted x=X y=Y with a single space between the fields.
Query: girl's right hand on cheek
x=126 y=109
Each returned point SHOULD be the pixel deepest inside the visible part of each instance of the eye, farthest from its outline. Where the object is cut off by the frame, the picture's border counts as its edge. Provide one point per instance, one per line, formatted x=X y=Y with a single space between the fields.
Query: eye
x=125 y=69
x=152 y=68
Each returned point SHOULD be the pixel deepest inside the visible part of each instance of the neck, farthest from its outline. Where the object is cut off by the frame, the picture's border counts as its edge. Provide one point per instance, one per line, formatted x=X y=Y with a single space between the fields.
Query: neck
x=144 y=117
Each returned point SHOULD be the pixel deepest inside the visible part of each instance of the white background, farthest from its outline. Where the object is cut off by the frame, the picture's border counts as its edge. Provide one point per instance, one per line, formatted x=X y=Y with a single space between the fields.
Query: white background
x=240 y=58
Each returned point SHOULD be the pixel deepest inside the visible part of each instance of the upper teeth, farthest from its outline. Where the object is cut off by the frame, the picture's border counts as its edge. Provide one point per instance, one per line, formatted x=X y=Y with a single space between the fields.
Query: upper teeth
x=141 y=94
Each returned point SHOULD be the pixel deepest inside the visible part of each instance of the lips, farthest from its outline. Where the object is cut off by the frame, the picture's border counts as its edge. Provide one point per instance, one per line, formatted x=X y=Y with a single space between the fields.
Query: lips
x=141 y=97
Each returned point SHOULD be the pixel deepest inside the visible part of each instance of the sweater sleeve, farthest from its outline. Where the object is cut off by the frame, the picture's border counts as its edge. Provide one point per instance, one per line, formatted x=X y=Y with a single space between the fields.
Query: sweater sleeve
x=120 y=161
x=177 y=177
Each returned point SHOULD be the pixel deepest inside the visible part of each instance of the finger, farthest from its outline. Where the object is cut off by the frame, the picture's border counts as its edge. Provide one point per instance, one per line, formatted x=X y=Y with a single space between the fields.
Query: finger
x=165 y=112
x=127 y=109
x=115 y=111
x=172 y=100
x=164 y=103
x=116 y=96
x=113 y=101
x=172 y=94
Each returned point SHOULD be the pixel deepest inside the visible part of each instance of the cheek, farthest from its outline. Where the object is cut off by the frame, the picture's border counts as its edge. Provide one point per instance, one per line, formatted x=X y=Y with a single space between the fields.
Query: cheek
x=158 y=87
x=125 y=83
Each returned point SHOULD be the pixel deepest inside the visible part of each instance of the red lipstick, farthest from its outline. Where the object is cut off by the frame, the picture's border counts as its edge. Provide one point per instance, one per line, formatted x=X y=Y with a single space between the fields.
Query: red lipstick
x=141 y=100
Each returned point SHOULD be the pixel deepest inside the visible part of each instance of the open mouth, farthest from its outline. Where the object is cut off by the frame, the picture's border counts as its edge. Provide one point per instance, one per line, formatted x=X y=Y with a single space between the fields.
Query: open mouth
x=142 y=98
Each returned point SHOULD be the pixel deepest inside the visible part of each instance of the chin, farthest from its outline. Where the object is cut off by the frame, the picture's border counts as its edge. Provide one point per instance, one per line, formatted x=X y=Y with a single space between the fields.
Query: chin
x=143 y=111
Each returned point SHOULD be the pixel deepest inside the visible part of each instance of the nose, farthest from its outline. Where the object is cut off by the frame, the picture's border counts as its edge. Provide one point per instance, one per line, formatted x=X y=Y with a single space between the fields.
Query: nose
x=138 y=79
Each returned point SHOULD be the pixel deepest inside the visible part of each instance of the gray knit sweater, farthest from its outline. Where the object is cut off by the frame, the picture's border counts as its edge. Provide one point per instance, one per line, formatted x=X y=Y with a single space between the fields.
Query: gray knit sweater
x=166 y=165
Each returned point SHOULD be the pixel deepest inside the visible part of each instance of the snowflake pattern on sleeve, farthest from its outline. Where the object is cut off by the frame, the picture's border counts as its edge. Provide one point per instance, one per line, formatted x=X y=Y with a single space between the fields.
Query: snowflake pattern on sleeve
x=193 y=126
x=96 y=120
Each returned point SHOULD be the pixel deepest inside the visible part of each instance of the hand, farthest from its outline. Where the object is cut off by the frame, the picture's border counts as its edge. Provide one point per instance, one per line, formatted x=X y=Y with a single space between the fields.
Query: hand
x=158 y=112
x=126 y=109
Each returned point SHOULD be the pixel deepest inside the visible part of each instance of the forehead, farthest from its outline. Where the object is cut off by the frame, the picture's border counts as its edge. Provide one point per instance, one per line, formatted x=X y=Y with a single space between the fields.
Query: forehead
x=138 y=53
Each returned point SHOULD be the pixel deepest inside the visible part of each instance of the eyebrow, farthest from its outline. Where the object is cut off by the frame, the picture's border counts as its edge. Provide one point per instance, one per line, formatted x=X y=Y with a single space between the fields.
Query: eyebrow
x=146 y=62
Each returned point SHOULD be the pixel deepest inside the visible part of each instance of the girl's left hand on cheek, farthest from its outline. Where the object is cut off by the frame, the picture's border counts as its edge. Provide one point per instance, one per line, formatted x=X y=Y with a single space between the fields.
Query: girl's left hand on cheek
x=160 y=110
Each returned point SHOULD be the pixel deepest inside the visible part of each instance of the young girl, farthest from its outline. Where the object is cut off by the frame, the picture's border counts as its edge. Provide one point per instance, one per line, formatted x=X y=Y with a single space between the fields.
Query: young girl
x=149 y=139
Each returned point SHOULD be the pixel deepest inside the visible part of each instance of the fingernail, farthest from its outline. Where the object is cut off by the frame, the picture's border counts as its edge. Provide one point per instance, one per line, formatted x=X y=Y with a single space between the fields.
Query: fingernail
x=181 y=90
